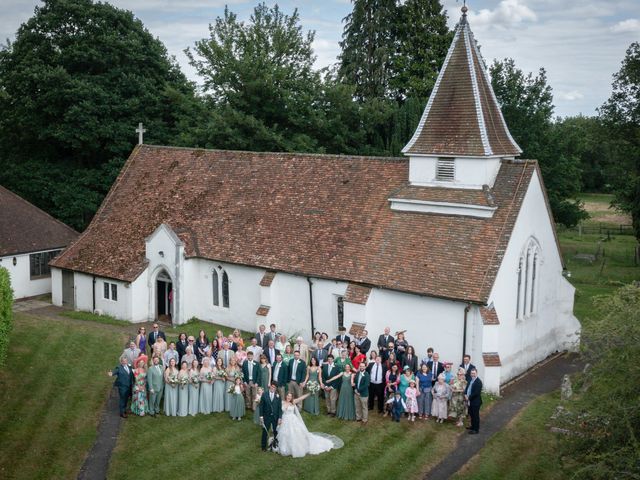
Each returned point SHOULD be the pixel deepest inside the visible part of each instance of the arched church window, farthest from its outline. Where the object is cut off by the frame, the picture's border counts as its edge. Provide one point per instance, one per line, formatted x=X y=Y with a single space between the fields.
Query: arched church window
x=534 y=267
x=526 y=284
x=225 y=290
x=216 y=288
x=519 y=294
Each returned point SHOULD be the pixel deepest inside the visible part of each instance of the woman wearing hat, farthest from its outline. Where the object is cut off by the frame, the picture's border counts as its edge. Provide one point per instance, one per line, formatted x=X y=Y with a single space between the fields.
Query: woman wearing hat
x=406 y=377
x=457 y=408
x=441 y=393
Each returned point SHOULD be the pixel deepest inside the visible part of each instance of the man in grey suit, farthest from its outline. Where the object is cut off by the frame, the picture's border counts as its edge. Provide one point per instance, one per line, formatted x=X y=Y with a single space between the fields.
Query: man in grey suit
x=131 y=353
x=155 y=382
x=320 y=353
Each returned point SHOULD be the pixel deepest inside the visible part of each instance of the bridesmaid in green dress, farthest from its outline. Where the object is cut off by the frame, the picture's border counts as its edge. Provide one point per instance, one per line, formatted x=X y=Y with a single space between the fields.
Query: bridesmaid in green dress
x=171 y=389
x=183 y=390
x=218 y=387
x=139 y=404
x=236 y=408
x=205 y=401
x=265 y=373
x=346 y=404
x=194 y=388
x=312 y=402
x=232 y=372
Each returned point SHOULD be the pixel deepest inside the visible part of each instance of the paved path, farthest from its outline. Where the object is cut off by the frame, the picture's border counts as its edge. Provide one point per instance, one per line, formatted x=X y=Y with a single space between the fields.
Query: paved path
x=515 y=397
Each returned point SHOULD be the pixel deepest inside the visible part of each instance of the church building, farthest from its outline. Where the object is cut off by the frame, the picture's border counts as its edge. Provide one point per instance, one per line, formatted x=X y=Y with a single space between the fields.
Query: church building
x=454 y=242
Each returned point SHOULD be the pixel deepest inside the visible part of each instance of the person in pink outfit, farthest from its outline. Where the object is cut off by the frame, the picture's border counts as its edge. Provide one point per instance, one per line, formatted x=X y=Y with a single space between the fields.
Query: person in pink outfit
x=412 y=400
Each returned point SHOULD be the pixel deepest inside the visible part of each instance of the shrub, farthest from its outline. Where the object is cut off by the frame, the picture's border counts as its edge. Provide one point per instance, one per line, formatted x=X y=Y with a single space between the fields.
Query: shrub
x=6 y=312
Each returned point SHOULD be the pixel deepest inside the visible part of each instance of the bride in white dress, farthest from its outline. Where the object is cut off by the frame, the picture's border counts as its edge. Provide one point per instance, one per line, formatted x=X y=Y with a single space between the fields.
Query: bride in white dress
x=293 y=437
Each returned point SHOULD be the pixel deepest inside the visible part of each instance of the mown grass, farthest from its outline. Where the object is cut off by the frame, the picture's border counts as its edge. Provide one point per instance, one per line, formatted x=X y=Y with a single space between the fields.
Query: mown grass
x=94 y=317
x=53 y=388
x=523 y=450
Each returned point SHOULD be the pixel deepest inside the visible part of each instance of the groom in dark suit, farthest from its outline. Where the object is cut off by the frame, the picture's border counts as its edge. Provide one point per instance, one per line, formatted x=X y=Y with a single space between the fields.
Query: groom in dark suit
x=124 y=381
x=270 y=413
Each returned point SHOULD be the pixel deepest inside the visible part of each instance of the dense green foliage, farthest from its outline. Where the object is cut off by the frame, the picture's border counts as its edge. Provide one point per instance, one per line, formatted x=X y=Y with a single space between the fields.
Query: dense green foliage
x=6 y=312
x=605 y=417
x=527 y=106
x=621 y=113
x=74 y=85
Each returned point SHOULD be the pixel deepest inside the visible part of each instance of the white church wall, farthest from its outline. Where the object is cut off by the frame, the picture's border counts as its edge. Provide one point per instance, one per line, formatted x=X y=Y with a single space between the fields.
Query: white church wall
x=139 y=290
x=56 y=286
x=552 y=326
x=20 y=273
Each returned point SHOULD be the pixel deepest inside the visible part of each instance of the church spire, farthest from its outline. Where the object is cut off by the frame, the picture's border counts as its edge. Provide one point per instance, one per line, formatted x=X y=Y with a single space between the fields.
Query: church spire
x=462 y=116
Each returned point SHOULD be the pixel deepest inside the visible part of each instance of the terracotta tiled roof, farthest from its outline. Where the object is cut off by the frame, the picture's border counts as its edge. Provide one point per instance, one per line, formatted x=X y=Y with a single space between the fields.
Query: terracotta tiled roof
x=489 y=315
x=491 y=359
x=267 y=278
x=357 y=294
x=25 y=228
x=356 y=329
x=462 y=116
x=325 y=216
x=263 y=310
x=466 y=196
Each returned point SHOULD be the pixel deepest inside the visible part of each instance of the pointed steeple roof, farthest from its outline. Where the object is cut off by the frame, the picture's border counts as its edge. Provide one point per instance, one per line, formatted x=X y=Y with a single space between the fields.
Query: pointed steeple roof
x=462 y=116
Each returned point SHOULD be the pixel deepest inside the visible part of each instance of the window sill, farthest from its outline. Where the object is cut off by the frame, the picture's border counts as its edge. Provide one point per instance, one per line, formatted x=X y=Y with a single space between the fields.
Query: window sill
x=39 y=277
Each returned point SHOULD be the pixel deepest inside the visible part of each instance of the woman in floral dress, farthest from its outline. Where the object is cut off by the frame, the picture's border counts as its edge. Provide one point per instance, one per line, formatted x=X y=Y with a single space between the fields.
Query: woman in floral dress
x=441 y=393
x=457 y=407
x=139 y=404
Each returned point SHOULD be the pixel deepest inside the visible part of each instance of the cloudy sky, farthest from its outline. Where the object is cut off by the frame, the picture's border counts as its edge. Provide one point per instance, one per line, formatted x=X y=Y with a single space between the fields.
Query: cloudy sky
x=580 y=43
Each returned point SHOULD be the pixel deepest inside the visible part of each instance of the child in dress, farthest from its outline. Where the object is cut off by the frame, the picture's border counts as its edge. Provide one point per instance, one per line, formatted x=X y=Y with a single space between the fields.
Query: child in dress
x=398 y=407
x=256 y=406
x=236 y=408
x=412 y=400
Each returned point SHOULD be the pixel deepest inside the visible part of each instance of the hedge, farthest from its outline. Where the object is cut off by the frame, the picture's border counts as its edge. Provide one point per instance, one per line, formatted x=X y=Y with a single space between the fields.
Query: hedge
x=6 y=312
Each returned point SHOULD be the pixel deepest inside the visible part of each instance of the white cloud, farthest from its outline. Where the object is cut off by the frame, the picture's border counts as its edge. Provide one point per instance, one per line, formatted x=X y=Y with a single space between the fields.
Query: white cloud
x=629 y=25
x=508 y=13
x=570 y=96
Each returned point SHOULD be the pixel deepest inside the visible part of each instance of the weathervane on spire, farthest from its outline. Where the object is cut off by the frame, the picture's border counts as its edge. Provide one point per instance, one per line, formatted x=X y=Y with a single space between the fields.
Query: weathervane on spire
x=464 y=10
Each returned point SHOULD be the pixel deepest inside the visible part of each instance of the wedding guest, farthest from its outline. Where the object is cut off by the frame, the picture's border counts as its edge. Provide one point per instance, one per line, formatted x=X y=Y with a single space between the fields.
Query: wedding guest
x=194 y=388
x=435 y=367
x=271 y=351
x=342 y=336
x=392 y=380
x=236 y=407
x=424 y=386
x=233 y=371
x=214 y=351
x=155 y=382
x=233 y=346
x=280 y=375
x=330 y=384
x=154 y=335
x=457 y=406
x=297 y=374
x=171 y=389
x=287 y=354
x=400 y=346
x=325 y=340
x=313 y=379
x=265 y=373
x=124 y=382
x=441 y=393
x=226 y=355
x=241 y=355
x=344 y=360
x=473 y=396
x=384 y=340
x=171 y=353
x=237 y=338
x=209 y=356
x=141 y=340
x=358 y=357
x=220 y=339
x=391 y=360
x=256 y=406
x=251 y=379
x=183 y=390
x=131 y=354
x=351 y=350
x=468 y=366
x=182 y=344
x=303 y=348
x=159 y=348
x=261 y=337
x=377 y=374
x=219 y=392
x=364 y=343
x=201 y=346
x=406 y=378
x=448 y=374
x=255 y=348
x=281 y=343
x=189 y=357
x=320 y=353
x=429 y=358
x=361 y=382
x=410 y=360
x=411 y=394
x=398 y=407
x=316 y=338
x=205 y=401
x=346 y=403
x=272 y=335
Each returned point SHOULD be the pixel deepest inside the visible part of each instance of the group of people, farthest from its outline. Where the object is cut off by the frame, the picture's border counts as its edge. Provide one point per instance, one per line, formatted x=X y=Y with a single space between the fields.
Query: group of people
x=230 y=374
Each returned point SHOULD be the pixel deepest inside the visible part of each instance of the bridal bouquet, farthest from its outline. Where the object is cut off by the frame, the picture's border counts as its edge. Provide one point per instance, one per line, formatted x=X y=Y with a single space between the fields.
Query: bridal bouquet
x=239 y=375
x=222 y=373
x=313 y=387
x=183 y=381
x=173 y=379
x=195 y=380
x=208 y=376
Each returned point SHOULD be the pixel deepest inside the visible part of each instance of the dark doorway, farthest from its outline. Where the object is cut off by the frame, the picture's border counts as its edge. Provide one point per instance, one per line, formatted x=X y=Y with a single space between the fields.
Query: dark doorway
x=164 y=296
x=67 y=289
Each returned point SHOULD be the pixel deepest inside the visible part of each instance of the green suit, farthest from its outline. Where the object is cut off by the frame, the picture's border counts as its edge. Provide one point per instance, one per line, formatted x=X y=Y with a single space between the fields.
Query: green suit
x=155 y=383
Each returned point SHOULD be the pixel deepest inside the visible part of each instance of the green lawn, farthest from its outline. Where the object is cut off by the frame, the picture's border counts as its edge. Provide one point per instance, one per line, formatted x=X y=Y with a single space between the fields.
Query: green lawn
x=53 y=388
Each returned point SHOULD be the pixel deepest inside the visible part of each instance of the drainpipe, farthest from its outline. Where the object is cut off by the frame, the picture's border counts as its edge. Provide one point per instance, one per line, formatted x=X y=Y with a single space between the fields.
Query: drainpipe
x=313 y=328
x=464 y=332
x=94 y=295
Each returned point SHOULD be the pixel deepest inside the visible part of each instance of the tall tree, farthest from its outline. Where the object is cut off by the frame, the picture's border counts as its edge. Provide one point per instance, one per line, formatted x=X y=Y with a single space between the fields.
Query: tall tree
x=260 y=75
x=527 y=105
x=75 y=83
x=369 y=44
x=621 y=113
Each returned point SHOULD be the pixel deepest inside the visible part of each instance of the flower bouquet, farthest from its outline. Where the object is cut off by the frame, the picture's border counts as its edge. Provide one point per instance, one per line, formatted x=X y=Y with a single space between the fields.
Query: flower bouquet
x=222 y=373
x=232 y=390
x=195 y=380
x=173 y=379
x=209 y=376
x=239 y=375
x=183 y=381
x=313 y=387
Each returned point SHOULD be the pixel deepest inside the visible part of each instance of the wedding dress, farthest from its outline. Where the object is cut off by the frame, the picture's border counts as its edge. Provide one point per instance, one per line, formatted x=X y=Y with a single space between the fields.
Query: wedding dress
x=295 y=440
